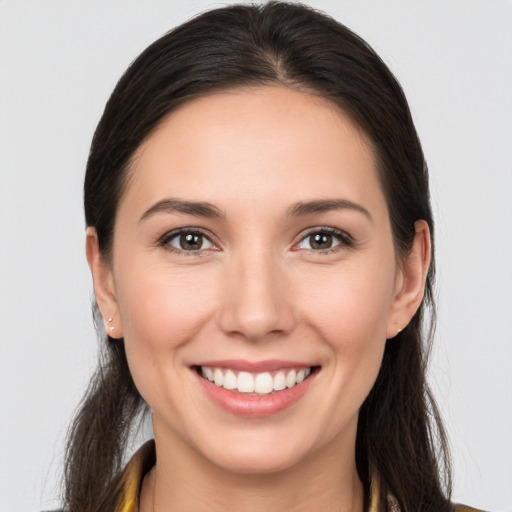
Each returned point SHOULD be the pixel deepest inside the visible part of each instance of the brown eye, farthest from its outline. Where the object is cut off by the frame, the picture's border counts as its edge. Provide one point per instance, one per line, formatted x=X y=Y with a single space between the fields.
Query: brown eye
x=320 y=241
x=189 y=241
x=324 y=239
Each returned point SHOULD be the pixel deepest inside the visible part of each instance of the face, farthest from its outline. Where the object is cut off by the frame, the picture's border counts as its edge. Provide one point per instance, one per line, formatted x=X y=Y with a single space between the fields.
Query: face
x=253 y=248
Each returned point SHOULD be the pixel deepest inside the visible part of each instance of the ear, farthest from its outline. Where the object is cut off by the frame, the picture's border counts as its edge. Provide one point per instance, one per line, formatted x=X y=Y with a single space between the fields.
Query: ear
x=103 y=285
x=410 y=281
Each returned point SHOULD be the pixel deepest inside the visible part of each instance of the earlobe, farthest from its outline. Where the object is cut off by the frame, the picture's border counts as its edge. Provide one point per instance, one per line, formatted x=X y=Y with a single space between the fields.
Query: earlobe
x=103 y=285
x=411 y=281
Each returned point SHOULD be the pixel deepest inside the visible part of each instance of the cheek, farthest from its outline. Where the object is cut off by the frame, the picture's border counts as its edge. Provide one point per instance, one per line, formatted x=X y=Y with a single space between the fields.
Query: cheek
x=350 y=318
x=161 y=311
x=350 y=307
x=163 y=307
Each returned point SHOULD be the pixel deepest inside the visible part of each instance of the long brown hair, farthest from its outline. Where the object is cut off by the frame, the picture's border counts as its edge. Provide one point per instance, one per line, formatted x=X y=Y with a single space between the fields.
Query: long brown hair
x=400 y=436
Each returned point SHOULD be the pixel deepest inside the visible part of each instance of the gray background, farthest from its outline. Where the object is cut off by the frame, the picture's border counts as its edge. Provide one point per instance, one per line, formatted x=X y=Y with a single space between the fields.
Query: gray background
x=59 y=62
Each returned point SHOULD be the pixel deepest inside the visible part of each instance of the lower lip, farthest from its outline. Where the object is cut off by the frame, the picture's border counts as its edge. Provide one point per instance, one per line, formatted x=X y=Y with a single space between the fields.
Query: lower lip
x=254 y=406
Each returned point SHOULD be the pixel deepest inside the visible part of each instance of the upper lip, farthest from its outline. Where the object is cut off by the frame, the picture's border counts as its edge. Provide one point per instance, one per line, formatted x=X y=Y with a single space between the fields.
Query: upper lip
x=241 y=365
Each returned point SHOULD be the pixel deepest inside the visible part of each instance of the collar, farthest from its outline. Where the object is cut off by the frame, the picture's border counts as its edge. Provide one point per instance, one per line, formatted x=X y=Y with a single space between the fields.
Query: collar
x=133 y=475
x=145 y=458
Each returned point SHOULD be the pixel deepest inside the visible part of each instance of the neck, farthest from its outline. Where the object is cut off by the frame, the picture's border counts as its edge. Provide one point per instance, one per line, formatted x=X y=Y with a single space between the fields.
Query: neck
x=183 y=481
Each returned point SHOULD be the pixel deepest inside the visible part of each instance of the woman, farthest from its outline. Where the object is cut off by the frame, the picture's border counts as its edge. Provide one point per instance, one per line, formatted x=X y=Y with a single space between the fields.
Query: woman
x=260 y=237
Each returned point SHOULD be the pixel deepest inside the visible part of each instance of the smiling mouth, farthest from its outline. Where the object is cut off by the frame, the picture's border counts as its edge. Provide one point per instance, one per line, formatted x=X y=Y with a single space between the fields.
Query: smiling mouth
x=258 y=384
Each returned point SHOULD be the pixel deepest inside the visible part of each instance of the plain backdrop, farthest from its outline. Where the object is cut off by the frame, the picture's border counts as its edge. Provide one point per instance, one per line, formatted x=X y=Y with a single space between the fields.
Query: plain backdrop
x=59 y=61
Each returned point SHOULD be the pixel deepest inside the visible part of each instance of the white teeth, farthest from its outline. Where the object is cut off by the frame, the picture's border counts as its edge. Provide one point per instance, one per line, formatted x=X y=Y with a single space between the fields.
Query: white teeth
x=291 y=379
x=245 y=382
x=279 y=381
x=230 y=380
x=218 y=377
x=261 y=383
x=207 y=373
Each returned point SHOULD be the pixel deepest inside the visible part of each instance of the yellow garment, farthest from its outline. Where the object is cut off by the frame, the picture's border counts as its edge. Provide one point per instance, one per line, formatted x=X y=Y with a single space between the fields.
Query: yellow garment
x=145 y=459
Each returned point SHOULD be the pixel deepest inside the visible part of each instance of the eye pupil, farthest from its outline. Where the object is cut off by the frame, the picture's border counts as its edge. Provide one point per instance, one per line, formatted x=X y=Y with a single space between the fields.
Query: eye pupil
x=191 y=241
x=321 y=241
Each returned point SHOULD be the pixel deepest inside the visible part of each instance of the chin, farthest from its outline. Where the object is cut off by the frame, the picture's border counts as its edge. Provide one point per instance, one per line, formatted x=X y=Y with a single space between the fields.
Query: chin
x=253 y=460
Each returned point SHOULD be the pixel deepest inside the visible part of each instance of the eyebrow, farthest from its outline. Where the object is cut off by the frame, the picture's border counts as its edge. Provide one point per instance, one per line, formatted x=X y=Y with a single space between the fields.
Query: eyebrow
x=196 y=208
x=326 y=205
x=205 y=209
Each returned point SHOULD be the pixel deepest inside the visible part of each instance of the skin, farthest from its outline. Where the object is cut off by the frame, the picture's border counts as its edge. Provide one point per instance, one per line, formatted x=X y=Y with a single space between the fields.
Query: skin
x=257 y=290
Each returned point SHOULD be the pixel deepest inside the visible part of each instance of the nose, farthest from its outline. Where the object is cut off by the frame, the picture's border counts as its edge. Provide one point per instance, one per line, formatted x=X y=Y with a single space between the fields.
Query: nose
x=256 y=298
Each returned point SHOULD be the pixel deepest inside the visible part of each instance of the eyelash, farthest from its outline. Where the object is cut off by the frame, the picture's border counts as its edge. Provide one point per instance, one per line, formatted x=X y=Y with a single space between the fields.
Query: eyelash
x=165 y=240
x=345 y=240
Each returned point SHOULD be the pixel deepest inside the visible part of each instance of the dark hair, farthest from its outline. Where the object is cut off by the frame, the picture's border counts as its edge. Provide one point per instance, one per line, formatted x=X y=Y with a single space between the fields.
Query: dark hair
x=400 y=437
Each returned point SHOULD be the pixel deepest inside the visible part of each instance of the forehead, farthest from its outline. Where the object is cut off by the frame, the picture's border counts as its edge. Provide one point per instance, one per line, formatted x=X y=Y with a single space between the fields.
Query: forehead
x=256 y=144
